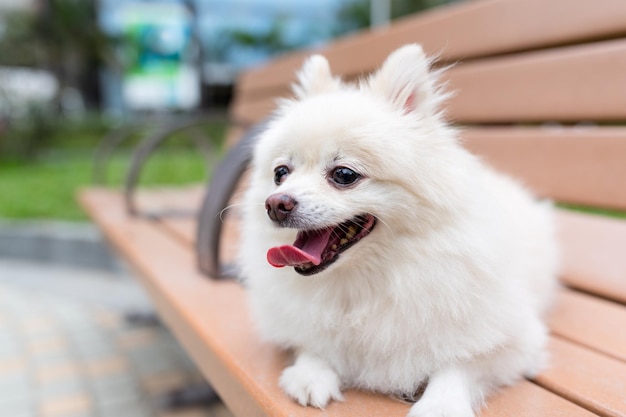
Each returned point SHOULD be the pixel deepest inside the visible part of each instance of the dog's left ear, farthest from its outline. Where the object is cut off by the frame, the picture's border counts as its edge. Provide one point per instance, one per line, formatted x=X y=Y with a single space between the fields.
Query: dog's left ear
x=406 y=81
x=315 y=78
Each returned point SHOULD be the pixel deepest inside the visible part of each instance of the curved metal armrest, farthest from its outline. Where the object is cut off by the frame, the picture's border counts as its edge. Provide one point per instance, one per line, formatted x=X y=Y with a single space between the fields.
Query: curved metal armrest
x=105 y=149
x=215 y=201
x=141 y=154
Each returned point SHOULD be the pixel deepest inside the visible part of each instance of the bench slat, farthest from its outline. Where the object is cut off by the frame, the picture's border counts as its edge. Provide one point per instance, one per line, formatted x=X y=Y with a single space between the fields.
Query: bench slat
x=529 y=400
x=566 y=84
x=211 y=320
x=579 y=165
x=594 y=381
x=593 y=254
x=569 y=84
x=461 y=31
x=591 y=322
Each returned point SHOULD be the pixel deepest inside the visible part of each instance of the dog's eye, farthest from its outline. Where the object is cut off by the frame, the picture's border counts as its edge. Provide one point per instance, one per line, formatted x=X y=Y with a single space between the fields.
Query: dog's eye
x=280 y=173
x=344 y=176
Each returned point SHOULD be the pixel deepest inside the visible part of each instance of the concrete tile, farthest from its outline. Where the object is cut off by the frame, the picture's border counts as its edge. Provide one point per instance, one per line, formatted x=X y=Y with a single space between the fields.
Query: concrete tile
x=95 y=349
x=138 y=338
x=80 y=361
x=106 y=366
x=220 y=410
x=9 y=343
x=43 y=346
x=130 y=408
x=19 y=408
x=113 y=379
x=112 y=402
x=113 y=388
x=37 y=324
x=59 y=371
x=62 y=388
x=15 y=387
x=41 y=334
x=108 y=319
x=187 y=412
x=50 y=358
x=85 y=332
x=154 y=358
x=12 y=365
x=67 y=405
x=162 y=382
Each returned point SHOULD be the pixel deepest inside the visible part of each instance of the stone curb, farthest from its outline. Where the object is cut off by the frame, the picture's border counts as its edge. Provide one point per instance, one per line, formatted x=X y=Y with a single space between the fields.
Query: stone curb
x=65 y=243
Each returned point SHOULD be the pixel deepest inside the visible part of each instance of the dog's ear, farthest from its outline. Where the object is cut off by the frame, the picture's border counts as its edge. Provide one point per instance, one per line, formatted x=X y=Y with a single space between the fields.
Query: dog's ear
x=405 y=80
x=315 y=78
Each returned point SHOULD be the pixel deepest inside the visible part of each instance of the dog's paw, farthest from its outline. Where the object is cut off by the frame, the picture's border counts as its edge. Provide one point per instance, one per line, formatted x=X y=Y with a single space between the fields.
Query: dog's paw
x=311 y=382
x=442 y=407
x=448 y=394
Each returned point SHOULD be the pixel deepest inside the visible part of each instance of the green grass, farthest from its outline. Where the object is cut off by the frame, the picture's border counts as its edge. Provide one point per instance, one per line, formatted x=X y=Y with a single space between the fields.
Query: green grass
x=46 y=187
x=594 y=210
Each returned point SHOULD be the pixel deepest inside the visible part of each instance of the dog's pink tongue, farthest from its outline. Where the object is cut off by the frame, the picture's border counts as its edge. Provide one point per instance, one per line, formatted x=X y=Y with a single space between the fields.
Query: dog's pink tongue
x=307 y=248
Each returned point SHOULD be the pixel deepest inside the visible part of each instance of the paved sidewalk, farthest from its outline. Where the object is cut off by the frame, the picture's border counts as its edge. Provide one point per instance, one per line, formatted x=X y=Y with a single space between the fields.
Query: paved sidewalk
x=67 y=351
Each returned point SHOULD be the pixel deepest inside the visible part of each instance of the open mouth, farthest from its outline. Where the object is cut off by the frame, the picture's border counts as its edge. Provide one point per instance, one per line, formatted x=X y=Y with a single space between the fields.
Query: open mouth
x=314 y=250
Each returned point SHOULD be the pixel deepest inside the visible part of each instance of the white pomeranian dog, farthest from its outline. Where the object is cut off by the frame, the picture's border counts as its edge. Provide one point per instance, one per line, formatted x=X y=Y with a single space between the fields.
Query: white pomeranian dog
x=385 y=255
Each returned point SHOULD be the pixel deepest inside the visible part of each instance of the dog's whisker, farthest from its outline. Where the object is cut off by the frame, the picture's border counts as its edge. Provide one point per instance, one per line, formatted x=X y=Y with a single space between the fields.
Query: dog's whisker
x=231 y=206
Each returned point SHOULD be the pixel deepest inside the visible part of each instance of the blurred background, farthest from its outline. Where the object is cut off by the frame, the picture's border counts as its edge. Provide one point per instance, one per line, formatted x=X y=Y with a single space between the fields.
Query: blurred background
x=73 y=70
x=77 y=337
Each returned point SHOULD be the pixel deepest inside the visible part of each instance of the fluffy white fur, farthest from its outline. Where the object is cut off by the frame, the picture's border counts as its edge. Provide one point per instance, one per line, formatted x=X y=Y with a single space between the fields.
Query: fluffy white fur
x=450 y=286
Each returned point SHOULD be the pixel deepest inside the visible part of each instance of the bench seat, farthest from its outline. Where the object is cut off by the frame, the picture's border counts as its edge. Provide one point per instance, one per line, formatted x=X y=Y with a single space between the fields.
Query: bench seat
x=539 y=93
x=210 y=318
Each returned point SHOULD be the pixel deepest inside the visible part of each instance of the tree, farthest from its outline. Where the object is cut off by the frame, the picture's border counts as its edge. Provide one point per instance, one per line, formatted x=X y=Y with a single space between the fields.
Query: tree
x=61 y=36
x=355 y=14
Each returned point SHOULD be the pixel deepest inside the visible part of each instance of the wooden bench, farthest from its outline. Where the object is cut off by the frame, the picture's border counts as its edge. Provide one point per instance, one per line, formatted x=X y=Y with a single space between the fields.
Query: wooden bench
x=541 y=93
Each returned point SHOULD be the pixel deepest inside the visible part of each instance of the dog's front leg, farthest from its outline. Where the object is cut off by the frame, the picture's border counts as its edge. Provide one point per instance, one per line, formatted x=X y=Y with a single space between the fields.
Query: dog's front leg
x=311 y=381
x=449 y=393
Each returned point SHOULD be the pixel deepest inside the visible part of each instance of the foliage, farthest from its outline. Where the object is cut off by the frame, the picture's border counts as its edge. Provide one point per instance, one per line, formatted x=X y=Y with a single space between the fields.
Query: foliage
x=44 y=185
x=47 y=188
x=273 y=40
x=355 y=14
x=270 y=42
x=21 y=136
x=61 y=36
x=620 y=214
x=401 y=8
x=39 y=129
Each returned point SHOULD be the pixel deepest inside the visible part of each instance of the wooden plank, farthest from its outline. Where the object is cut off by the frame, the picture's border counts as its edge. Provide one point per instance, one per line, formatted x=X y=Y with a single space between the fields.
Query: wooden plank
x=210 y=318
x=580 y=165
x=584 y=82
x=252 y=109
x=233 y=134
x=461 y=31
x=593 y=254
x=587 y=378
x=182 y=229
x=591 y=322
x=526 y=399
x=575 y=83
x=184 y=199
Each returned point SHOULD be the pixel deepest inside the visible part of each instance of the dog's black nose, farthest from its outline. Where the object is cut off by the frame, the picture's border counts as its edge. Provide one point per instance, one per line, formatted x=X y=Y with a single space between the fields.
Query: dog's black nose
x=279 y=206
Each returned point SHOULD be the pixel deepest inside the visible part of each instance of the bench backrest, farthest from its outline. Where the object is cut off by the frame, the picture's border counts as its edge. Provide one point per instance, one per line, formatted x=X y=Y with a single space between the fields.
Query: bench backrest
x=540 y=87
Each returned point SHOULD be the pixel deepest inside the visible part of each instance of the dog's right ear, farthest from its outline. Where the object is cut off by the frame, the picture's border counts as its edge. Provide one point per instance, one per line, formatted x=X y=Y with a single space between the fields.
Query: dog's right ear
x=315 y=78
x=406 y=81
